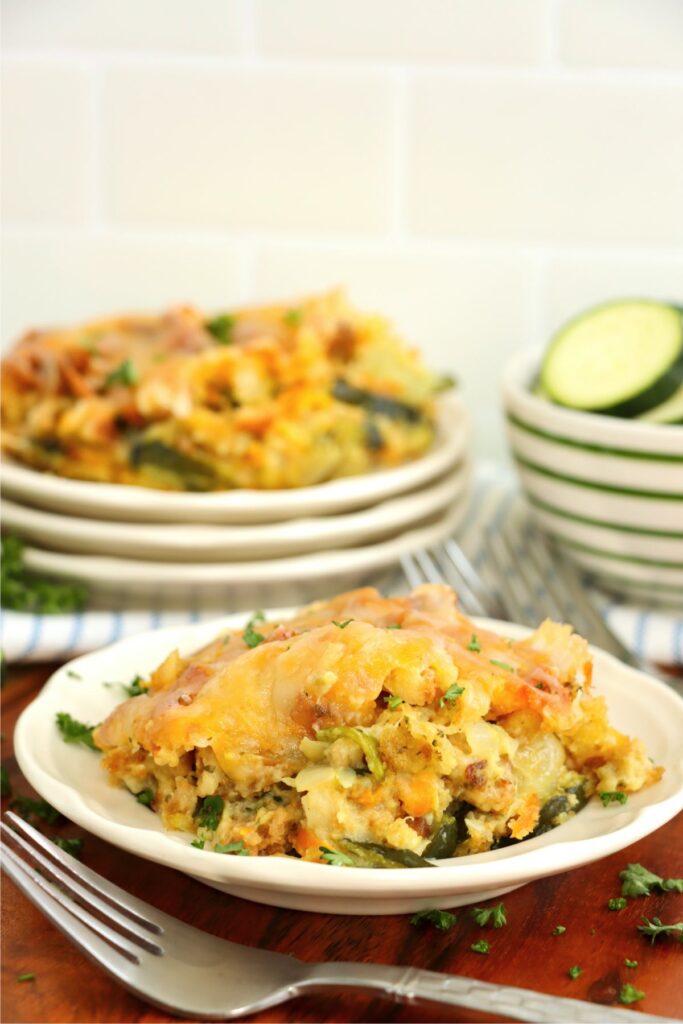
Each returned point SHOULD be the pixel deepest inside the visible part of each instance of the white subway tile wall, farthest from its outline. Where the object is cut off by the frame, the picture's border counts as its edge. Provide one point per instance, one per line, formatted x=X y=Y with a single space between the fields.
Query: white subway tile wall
x=479 y=170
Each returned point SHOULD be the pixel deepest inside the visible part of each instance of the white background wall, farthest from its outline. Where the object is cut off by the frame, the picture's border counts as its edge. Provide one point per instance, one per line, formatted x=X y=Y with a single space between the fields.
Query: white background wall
x=478 y=169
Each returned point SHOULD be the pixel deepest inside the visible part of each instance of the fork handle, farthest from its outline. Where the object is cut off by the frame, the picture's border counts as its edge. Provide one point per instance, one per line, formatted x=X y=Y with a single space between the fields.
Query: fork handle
x=412 y=984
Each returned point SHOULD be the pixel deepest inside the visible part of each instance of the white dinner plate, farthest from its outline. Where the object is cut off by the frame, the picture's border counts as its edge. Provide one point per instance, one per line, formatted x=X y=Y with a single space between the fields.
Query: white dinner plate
x=347 y=567
x=145 y=504
x=195 y=542
x=72 y=780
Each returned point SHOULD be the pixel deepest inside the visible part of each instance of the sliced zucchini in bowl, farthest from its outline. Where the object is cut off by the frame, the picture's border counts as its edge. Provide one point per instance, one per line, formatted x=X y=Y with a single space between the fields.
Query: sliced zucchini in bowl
x=670 y=411
x=621 y=359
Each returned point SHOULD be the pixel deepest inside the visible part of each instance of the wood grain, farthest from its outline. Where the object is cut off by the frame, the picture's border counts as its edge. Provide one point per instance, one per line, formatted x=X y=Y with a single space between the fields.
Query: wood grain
x=525 y=953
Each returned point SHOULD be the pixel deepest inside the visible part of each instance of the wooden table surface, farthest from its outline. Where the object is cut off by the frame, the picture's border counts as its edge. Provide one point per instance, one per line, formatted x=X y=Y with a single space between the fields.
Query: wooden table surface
x=67 y=987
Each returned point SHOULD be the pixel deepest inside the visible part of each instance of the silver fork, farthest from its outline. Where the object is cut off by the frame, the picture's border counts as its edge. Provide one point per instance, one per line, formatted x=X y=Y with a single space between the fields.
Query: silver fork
x=535 y=582
x=192 y=974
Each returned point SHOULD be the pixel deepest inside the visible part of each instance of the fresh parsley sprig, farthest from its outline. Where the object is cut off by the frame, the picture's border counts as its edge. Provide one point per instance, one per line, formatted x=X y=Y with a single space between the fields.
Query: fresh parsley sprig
x=441 y=919
x=451 y=695
x=636 y=880
x=336 y=857
x=616 y=797
x=495 y=916
x=74 y=731
x=251 y=637
x=236 y=849
x=654 y=928
x=210 y=812
x=21 y=591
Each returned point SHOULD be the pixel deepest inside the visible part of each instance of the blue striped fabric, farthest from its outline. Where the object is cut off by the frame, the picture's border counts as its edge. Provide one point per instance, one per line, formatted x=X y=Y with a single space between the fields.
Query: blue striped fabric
x=655 y=634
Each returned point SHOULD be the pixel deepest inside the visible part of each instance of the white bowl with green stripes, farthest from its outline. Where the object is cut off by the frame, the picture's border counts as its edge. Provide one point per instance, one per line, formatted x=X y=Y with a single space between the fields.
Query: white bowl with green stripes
x=609 y=490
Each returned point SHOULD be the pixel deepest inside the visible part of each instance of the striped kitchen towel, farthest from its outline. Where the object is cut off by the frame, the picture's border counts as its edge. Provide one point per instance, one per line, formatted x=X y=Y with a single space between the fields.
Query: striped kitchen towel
x=653 y=634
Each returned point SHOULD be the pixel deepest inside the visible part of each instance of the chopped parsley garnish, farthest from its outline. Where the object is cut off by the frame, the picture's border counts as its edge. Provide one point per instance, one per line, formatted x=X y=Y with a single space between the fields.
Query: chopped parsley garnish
x=210 y=812
x=395 y=625
x=237 y=849
x=5 y=784
x=630 y=963
x=630 y=994
x=26 y=977
x=613 y=798
x=638 y=881
x=336 y=857
x=21 y=591
x=617 y=903
x=29 y=808
x=559 y=929
x=293 y=317
x=341 y=625
x=73 y=675
x=451 y=694
x=575 y=971
x=125 y=374
x=494 y=915
x=502 y=664
x=135 y=687
x=654 y=928
x=73 y=846
x=480 y=946
x=198 y=844
x=474 y=644
x=74 y=731
x=392 y=701
x=221 y=327
x=145 y=797
x=250 y=636
x=441 y=919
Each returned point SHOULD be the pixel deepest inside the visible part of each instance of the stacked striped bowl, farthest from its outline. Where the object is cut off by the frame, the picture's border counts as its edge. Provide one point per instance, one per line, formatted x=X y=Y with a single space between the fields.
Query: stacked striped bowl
x=610 y=491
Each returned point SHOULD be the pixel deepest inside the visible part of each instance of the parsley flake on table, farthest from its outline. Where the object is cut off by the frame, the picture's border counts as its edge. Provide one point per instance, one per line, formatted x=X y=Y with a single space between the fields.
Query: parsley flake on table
x=29 y=976
x=480 y=946
x=250 y=636
x=613 y=798
x=73 y=846
x=654 y=928
x=341 y=625
x=451 y=694
x=74 y=731
x=617 y=903
x=559 y=929
x=502 y=664
x=638 y=881
x=575 y=971
x=630 y=963
x=441 y=919
x=495 y=916
x=336 y=857
x=29 y=808
x=474 y=644
x=210 y=812
x=125 y=374
x=392 y=701
x=630 y=994
x=237 y=849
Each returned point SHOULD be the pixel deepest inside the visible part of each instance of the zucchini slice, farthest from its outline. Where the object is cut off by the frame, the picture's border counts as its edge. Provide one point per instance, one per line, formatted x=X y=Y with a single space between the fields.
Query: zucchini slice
x=622 y=359
x=668 y=412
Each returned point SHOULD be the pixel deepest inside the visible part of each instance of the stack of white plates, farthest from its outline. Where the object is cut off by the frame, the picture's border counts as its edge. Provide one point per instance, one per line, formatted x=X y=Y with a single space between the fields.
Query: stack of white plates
x=174 y=545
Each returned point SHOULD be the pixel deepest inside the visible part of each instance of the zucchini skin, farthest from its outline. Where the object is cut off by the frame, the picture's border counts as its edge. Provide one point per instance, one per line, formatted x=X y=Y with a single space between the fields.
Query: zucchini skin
x=373 y=855
x=194 y=474
x=450 y=831
x=381 y=405
x=550 y=812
